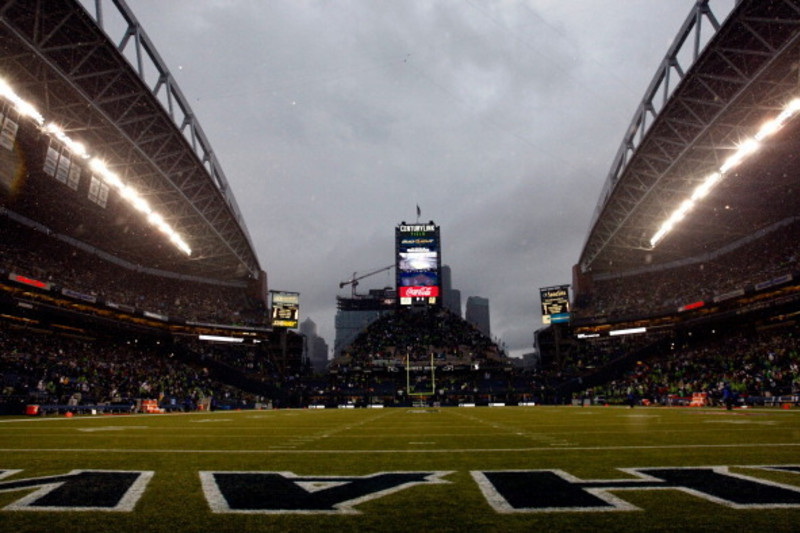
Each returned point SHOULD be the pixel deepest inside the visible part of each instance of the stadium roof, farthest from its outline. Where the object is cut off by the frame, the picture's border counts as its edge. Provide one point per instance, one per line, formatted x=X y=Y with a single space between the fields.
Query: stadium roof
x=689 y=122
x=121 y=100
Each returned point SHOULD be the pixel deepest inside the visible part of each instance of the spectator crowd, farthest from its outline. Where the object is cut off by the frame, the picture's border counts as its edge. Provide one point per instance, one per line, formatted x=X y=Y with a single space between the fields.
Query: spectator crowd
x=422 y=352
x=33 y=254
x=756 y=366
x=650 y=292
x=50 y=369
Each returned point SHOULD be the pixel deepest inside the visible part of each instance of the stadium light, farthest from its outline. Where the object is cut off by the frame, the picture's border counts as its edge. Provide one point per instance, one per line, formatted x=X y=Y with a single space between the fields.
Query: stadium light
x=23 y=107
x=743 y=151
x=74 y=146
x=702 y=190
x=629 y=331
x=97 y=165
x=155 y=219
x=141 y=205
x=219 y=338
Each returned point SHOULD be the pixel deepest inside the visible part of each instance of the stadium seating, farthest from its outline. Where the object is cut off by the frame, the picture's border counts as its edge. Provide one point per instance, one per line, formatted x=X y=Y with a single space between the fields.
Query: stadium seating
x=759 y=366
x=649 y=292
x=34 y=254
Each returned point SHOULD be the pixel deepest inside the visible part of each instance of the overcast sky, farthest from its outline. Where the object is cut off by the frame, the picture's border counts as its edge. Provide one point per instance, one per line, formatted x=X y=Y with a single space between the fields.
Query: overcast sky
x=333 y=120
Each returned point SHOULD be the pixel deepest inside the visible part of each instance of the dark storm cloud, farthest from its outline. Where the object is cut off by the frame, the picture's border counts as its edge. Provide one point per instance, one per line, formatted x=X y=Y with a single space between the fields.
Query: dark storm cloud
x=333 y=120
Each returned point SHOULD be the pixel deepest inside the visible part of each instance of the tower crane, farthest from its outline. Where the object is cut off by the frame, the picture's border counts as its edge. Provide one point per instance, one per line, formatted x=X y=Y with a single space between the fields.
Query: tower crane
x=353 y=281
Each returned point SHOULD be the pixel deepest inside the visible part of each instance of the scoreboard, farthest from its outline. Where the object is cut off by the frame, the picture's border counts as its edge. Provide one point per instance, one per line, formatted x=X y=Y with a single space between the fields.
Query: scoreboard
x=555 y=304
x=418 y=264
x=285 y=309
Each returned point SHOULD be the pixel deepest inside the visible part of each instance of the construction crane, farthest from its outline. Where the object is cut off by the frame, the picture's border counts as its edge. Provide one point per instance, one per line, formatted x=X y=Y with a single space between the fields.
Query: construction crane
x=353 y=282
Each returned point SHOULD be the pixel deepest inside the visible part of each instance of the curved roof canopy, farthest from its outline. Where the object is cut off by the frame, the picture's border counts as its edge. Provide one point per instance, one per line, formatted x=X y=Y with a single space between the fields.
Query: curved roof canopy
x=122 y=103
x=684 y=131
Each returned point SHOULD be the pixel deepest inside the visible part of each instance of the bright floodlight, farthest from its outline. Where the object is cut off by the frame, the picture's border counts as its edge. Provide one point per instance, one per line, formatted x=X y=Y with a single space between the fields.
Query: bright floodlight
x=629 y=331
x=74 y=146
x=745 y=150
x=702 y=190
x=97 y=165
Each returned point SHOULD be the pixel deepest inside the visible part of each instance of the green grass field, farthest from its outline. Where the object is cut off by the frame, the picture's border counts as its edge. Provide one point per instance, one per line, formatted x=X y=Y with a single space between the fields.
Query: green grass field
x=331 y=451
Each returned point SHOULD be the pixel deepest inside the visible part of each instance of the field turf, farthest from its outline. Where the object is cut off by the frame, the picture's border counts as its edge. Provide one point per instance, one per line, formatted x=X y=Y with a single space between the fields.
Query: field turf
x=319 y=455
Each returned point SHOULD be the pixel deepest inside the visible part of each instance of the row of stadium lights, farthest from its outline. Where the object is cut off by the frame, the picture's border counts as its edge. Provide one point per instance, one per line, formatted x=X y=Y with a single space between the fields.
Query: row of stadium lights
x=744 y=150
x=97 y=165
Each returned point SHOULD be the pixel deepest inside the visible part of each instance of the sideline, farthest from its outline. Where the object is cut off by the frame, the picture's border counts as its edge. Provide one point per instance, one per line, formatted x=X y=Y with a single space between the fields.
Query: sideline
x=396 y=451
x=123 y=416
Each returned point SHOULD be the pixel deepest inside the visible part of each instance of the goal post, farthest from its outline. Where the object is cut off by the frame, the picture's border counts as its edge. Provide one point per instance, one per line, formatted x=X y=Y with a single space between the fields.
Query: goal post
x=409 y=391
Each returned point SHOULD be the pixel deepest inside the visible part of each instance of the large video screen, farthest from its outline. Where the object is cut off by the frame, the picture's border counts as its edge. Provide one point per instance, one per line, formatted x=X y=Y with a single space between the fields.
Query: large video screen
x=555 y=304
x=285 y=309
x=418 y=262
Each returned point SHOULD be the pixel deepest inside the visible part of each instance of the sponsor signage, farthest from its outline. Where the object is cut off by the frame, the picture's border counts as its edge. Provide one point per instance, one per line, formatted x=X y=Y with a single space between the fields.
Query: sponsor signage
x=729 y=295
x=419 y=292
x=29 y=281
x=555 y=304
x=691 y=306
x=121 y=307
x=79 y=295
x=774 y=282
x=156 y=316
x=418 y=264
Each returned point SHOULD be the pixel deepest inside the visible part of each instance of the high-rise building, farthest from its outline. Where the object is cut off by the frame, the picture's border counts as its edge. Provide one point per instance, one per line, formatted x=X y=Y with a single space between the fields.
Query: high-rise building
x=315 y=349
x=478 y=314
x=355 y=314
x=451 y=298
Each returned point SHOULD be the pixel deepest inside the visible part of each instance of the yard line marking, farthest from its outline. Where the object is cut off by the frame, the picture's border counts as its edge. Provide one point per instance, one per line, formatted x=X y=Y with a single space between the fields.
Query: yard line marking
x=395 y=451
x=111 y=428
x=742 y=422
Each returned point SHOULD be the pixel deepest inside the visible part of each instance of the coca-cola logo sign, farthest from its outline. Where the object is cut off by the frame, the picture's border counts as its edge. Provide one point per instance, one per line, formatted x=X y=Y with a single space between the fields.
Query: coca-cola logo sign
x=419 y=292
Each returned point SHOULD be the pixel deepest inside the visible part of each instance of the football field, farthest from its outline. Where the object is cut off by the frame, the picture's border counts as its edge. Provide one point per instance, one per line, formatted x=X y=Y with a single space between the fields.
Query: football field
x=404 y=469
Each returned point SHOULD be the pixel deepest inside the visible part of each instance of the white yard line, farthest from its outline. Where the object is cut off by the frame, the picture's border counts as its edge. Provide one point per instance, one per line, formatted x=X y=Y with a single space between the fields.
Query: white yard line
x=396 y=451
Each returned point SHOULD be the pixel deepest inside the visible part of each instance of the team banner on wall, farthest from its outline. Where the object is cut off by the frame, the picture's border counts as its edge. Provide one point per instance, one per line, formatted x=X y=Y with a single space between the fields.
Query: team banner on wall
x=418 y=262
x=285 y=309
x=555 y=304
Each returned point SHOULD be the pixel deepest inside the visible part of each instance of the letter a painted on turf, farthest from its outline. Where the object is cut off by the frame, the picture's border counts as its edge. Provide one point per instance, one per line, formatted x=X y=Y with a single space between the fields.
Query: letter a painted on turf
x=78 y=490
x=531 y=491
x=285 y=492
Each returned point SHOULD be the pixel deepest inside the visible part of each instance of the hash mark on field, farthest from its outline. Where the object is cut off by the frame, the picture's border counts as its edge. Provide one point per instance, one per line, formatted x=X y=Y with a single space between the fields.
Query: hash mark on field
x=536 y=437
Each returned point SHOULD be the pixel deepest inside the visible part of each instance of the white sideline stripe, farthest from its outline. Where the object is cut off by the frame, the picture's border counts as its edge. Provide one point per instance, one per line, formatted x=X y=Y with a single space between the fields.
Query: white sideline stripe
x=445 y=450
